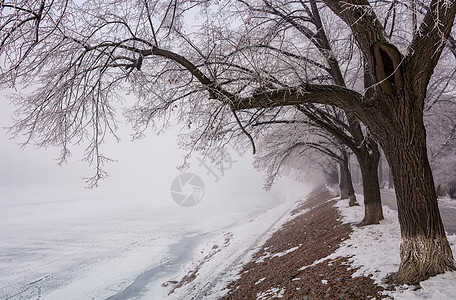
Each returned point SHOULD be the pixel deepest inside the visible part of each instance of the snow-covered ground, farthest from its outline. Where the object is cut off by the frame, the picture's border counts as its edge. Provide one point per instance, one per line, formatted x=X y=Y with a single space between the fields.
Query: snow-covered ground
x=108 y=243
x=447 y=202
x=60 y=243
x=375 y=249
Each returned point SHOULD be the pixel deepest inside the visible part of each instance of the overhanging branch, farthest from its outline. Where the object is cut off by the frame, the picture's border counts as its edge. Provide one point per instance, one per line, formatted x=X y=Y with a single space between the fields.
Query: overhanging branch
x=305 y=93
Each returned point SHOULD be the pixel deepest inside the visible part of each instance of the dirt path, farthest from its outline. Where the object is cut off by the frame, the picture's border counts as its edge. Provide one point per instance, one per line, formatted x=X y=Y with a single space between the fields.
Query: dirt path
x=287 y=264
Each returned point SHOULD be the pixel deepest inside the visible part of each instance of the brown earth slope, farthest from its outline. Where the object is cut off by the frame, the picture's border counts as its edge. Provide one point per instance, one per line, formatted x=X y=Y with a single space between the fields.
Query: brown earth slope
x=275 y=272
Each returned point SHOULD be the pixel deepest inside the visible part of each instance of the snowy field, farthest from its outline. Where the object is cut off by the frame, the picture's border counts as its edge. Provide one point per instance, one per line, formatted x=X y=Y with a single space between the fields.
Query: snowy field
x=105 y=244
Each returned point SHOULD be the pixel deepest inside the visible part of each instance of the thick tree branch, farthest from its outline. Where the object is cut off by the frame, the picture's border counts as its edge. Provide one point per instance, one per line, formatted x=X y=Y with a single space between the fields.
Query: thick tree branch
x=282 y=122
x=361 y=18
x=334 y=130
x=335 y=70
x=306 y=93
x=194 y=70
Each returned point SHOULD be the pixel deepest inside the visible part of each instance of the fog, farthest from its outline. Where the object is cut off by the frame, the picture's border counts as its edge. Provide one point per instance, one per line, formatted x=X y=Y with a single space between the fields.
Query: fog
x=145 y=167
x=63 y=241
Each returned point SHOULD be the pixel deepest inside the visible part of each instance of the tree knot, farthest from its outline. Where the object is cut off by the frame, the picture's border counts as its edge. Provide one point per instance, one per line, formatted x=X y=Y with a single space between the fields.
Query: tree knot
x=387 y=67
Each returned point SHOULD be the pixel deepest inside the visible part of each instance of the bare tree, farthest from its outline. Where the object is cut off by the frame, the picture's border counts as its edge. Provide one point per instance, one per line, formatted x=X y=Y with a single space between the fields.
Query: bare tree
x=300 y=147
x=394 y=113
x=304 y=20
x=83 y=60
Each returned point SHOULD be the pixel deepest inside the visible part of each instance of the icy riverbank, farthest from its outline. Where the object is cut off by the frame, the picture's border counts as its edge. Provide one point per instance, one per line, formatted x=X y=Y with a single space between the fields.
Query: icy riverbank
x=73 y=244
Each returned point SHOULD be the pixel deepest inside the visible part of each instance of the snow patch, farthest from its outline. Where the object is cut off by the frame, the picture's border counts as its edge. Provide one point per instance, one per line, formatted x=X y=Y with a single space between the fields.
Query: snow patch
x=317 y=262
x=271 y=294
x=447 y=201
x=286 y=251
x=280 y=254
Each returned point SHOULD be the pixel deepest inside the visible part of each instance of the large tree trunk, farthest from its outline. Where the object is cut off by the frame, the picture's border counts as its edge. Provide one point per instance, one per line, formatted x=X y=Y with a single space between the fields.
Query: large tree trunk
x=343 y=180
x=373 y=211
x=425 y=250
x=331 y=175
x=346 y=184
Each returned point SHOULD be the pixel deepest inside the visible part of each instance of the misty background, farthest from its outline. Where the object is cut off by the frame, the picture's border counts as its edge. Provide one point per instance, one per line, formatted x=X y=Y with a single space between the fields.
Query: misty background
x=144 y=167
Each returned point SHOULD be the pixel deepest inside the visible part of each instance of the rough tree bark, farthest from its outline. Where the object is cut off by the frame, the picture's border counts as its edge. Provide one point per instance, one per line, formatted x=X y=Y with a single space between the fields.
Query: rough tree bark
x=368 y=163
x=367 y=154
x=368 y=157
x=425 y=250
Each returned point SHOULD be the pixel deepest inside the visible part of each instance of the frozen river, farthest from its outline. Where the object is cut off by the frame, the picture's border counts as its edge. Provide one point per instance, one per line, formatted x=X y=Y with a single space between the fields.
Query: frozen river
x=77 y=244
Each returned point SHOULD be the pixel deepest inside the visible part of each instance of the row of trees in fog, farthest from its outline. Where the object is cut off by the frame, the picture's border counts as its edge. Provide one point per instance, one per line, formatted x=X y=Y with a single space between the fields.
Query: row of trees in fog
x=300 y=82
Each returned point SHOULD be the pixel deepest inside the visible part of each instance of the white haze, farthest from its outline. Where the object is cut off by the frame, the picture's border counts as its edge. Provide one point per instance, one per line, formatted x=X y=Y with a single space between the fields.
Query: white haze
x=58 y=238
